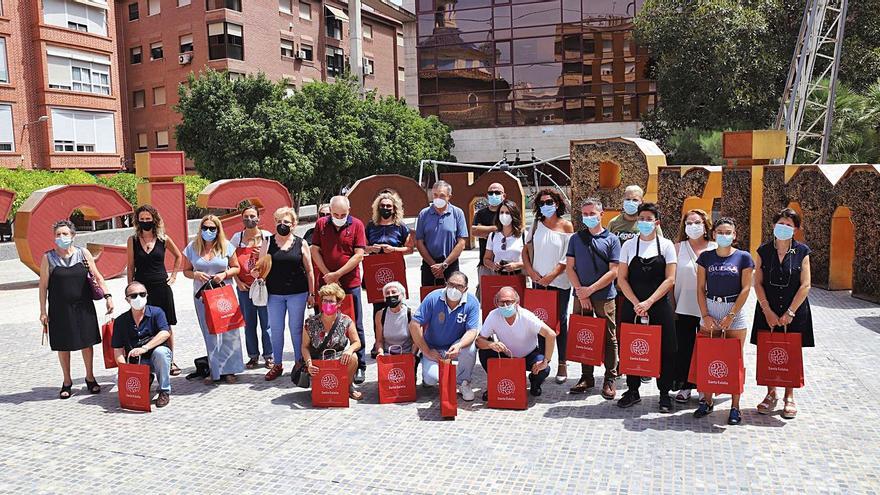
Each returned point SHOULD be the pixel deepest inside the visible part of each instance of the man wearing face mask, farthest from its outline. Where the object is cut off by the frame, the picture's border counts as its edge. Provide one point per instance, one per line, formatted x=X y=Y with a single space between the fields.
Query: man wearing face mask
x=141 y=335
x=441 y=233
x=625 y=225
x=445 y=326
x=484 y=225
x=515 y=330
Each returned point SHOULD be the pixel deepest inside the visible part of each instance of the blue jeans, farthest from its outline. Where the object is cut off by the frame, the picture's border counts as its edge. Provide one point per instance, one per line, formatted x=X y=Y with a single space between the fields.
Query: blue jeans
x=467 y=358
x=531 y=358
x=160 y=364
x=251 y=313
x=359 y=323
x=294 y=305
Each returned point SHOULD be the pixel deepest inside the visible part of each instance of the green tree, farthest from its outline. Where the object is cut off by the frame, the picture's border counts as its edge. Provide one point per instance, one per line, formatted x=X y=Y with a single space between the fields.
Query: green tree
x=854 y=130
x=860 y=64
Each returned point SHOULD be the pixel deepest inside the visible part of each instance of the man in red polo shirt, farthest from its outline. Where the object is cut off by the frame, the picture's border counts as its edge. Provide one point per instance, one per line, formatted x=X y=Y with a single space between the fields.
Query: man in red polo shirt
x=338 y=244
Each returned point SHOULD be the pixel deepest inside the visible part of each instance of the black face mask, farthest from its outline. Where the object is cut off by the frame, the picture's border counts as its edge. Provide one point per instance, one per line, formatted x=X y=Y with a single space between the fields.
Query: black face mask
x=147 y=226
x=282 y=229
x=385 y=213
x=250 y=223
x=392 y=301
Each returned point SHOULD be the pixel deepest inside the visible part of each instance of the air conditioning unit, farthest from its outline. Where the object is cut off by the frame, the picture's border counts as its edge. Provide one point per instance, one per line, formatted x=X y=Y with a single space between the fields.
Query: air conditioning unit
x=184 y=58
x=368 y=69
x=301 y=55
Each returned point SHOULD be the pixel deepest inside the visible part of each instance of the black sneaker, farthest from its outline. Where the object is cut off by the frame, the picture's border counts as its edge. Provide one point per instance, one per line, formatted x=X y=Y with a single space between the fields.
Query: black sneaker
x=735 y=417
x=665 y=403
x=704 y=409
x=486 y=396
x=359 y=376
x=629 y=399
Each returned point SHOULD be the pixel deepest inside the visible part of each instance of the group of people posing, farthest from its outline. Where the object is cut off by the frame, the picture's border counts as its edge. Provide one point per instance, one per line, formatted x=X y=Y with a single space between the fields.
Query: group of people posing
x=623 y=270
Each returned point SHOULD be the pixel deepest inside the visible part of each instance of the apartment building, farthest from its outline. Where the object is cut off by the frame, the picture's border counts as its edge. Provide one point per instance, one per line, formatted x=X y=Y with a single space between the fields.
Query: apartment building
x=162 y=41
x=60 y=102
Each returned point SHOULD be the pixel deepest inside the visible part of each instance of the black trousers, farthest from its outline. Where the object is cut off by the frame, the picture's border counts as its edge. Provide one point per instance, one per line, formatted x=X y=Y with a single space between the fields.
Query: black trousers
x=428 y=277
x=686 y=327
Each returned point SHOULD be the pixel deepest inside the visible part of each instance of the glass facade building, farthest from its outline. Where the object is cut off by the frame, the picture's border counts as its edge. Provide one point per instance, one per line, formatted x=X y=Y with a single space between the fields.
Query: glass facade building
x=495 y=63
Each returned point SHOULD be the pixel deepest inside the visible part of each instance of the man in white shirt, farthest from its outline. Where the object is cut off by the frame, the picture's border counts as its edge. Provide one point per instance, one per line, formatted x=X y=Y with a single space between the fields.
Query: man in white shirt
x=516 y=331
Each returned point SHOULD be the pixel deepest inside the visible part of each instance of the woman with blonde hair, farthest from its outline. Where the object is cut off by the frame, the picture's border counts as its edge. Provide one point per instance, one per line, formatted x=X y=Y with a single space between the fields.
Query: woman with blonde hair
x=211 y=258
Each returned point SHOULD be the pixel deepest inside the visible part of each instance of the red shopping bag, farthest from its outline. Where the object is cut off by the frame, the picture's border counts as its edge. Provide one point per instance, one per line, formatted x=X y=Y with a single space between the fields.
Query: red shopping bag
x=640 y=349
x=490 y=284
x=107 y=344
x=506 y=383
x=379 y=269
x=448 y=396
x=692 y=371
x=222 y=313
x=586 y=340
x=780 y=359
x=427 y=289
x=397 y=378
x=719 y=366
x=347 y=306
x=330 y=385
x=134 y=387
x=544 y=303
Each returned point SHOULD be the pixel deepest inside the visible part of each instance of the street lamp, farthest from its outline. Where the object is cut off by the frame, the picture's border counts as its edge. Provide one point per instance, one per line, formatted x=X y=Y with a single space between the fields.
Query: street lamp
x=42 y=118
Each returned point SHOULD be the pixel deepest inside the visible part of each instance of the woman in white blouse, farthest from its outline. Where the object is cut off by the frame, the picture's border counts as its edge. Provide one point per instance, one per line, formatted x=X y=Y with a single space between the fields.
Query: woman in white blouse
x=504 y=247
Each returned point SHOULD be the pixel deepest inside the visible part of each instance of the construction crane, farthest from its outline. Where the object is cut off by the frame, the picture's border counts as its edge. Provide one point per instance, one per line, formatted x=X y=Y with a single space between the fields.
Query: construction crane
x=804 y=115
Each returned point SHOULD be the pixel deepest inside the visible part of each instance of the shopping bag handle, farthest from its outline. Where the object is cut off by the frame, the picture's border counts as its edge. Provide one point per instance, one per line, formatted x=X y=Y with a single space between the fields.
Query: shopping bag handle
x=324 y=354
x=647 y=320
x=399 y=349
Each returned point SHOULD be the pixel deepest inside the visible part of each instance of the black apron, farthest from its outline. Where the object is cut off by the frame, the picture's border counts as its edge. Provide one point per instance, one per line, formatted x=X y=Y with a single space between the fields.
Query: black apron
x=644 y=276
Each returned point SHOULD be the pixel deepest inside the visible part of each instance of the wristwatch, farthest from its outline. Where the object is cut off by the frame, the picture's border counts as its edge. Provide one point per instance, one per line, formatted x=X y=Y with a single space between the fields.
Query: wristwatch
x=108 y=296
x=445 y=265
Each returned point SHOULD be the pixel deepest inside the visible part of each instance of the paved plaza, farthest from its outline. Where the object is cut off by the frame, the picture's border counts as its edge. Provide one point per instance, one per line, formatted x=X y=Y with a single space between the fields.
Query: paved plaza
x=259 y=437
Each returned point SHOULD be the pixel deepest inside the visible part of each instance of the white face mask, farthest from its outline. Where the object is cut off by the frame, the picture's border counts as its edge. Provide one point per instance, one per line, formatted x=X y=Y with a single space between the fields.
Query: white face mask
x=339 y=222
x=694 y=230
x=505 y=219
x=439 y=203
x=453 y=294
x=138 y=303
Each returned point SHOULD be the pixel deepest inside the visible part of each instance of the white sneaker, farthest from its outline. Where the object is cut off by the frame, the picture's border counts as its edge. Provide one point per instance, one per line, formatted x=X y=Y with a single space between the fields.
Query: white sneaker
x=467 y=393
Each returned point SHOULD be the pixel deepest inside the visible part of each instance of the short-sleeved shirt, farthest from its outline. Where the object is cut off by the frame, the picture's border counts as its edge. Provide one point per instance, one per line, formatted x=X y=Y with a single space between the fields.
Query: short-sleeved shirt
x=521 y=337
x=625 y=229
x=338 y=332
x=337 y=245
x=591 y=263
x=648 y=249
x=484 y=217
x=724 y=274
x=127 y=335
x=509 y=250
x=440 y=231
x=211 y=266
x=444 y=326
x=394 y=235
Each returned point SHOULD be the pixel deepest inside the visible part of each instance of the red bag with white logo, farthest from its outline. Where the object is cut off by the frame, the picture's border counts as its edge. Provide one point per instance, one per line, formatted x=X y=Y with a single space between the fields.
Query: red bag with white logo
x=506 y=383
x=347 y=306
x=379 y=269
x=491 y=284
x=330 y=385
x=586 y=340
x=107 y=344
x=640 y=349
x=544 y=303
x=448 y=395
x=427 y=289
x=720 y=366
x=397 y=378
x=133 y=383
x=780 y=359
x=222 y=313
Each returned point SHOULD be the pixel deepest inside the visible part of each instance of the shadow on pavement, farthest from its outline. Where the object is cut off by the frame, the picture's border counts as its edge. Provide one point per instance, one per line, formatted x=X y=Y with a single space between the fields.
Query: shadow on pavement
x=872 y=323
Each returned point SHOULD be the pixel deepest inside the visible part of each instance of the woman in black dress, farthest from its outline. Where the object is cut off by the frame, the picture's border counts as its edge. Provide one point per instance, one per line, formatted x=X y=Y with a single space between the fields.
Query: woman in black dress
x=71 y=318
x=146 y=264
x=782 y=285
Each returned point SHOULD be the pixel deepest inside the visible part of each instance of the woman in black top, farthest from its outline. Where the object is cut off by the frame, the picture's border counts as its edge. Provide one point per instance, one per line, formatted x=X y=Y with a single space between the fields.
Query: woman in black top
x=290 y=284
x=146 y=264
x=782 y=285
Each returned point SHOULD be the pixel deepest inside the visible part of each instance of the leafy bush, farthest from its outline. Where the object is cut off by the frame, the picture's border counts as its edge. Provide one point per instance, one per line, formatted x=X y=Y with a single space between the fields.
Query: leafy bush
x=123 y=183
x=194 y=185
x=24 y=182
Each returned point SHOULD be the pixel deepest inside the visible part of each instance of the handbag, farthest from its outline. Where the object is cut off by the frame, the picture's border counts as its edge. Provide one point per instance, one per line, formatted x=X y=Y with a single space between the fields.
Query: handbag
x=259 y=294
x=97 y=291
x=222 y=312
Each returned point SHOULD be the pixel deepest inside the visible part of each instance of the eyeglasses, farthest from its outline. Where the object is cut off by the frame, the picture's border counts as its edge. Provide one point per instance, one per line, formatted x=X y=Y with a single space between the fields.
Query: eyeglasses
x=494 y=193
x=504 y=243
x=206 y=228
x=386 y=207
x=136 y=294
x=460 y=287
x=322 y=215
x=547 y=202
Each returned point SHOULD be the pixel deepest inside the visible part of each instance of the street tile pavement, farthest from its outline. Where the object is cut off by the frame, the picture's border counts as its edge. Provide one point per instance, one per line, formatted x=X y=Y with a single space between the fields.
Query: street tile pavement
x=259 y=437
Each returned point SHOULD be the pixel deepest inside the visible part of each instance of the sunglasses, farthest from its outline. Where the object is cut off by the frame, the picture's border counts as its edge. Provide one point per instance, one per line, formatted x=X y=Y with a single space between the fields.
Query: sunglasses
x=206 y=228
x=547 y=202
x=494 y=193
x=322 y=215
x=136 y=294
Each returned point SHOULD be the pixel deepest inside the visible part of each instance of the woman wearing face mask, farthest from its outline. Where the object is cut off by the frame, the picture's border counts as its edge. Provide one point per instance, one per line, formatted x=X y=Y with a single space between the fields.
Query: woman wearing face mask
x=694 y=239
x=332 y=330
x=290 y=284
x=782 y=286
x=392 y=323
x=386 y=233
x=724 y=279
x=211 y=257
x=544 y=261
x=146 y=264
x=70 y=318
x=248 y=243
x=504 y=246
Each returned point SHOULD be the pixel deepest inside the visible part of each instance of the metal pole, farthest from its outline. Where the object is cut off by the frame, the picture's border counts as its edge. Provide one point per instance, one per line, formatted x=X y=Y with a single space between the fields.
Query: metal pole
x=356 y=46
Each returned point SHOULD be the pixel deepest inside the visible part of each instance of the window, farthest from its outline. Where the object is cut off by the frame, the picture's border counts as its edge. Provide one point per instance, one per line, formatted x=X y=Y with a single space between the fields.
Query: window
x=307 y=52
x=334 y=17
x=234 y=76
x=142 y=140
x=400 y=73
x=136 y=55
x=369 y=67
x=154 y=7
x=285 y=6
x=138 y=98
x=7 y=134
x=305 y=11
x=223 y=4
x=183 y=3
x=286 y=48
x=225 y=40
x=335 y=61
x=77 y=26
x=186 y=43
x=76 y=70
x=399 y=38
x=82 y=131
x=368 y=32
x=289 y=90
x=159 y=95
x=134 y=12
x=156 y=51
x=79 y=16
x=4 y=67
x=161 y=139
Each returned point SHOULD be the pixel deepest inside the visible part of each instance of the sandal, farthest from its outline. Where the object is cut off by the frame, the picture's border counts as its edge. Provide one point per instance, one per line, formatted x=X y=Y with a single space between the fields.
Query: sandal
x=65 y=392
x=230 y=379
x=268 y=362
x=355 y=394
x=175 y=370
x=561 y=373
x=252 y=363
x=790 y=409
x=768 y=404
x=93 y=386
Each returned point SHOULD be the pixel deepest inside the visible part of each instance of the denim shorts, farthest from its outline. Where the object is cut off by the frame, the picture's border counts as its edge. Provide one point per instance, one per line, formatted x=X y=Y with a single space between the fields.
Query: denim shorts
x=719 y=311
